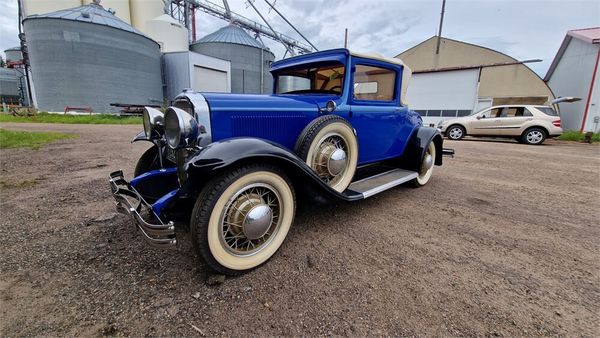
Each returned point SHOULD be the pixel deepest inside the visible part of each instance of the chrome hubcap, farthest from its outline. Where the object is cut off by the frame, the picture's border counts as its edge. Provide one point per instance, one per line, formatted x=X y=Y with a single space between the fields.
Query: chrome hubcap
x=257 y=221
x=427 y=163
x=336 y=162
x=534 y=136
x=330 y=159
x=250 y=219
x=455 y=133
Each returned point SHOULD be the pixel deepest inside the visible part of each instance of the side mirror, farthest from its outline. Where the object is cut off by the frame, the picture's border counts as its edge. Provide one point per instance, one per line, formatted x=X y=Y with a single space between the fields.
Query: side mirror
x=479 y=117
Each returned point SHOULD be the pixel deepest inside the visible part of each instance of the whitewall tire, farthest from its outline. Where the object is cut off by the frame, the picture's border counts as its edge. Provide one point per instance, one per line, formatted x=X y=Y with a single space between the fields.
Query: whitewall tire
x=328 y=145
x=426 y=167
x=242 y=217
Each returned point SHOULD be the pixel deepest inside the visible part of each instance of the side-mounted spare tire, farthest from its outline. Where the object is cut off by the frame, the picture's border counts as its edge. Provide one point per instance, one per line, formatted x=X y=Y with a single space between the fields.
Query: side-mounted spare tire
x=328 y=145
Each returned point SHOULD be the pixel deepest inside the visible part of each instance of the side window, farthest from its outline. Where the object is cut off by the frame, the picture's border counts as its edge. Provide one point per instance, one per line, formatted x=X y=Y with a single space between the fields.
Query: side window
x=492 y=113
x=515 y=112
x=374 y=83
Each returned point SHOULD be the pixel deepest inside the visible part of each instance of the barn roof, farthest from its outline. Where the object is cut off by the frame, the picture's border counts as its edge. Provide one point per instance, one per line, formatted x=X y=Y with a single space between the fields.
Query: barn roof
x=588 y=35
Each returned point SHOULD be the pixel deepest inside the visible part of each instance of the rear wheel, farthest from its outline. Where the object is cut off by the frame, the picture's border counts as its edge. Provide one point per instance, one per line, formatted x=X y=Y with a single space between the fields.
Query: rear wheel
x=426 y=168
x=242 y=217
x=534 y=136
x=455 y=132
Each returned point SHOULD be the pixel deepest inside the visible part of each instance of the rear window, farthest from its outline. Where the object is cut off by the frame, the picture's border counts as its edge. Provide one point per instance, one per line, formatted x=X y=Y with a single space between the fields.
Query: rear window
x=548 y=111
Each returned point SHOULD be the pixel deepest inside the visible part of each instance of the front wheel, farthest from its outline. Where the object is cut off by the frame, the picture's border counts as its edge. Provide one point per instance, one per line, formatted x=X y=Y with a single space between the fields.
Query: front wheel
x=149 y=161
x=426 y=168
x=242 y=217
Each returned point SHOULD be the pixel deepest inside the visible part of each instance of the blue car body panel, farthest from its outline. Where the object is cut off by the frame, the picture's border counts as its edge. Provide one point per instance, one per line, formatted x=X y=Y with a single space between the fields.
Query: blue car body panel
x=382 y=127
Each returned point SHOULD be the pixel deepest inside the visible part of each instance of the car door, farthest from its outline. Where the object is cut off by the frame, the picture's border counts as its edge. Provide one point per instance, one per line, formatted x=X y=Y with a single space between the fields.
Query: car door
x=486 y=122
x=377 y=116
x=512 y=120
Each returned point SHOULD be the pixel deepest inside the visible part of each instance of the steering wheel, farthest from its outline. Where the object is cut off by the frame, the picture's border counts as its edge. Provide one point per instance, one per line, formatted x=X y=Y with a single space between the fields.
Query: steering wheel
x=336 y=87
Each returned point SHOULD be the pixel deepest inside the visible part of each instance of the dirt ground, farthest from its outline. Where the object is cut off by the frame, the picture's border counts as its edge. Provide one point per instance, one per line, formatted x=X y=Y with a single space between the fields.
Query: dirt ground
x=504 y=241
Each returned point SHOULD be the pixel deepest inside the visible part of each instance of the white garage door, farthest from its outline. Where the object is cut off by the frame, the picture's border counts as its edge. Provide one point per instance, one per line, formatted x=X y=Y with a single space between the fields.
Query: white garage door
x=209 y=80
x=443 y=95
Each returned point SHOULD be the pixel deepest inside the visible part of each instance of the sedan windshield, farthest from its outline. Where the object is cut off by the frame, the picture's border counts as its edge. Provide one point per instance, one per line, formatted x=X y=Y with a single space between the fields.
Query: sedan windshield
x=311 y=80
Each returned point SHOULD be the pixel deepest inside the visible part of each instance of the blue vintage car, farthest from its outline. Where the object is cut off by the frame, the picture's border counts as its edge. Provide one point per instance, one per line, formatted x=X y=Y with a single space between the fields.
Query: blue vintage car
x=231 y=165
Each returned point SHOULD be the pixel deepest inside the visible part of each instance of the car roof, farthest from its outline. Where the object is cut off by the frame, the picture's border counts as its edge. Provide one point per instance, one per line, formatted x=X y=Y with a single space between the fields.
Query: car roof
x=518 y=105
x=337 y=51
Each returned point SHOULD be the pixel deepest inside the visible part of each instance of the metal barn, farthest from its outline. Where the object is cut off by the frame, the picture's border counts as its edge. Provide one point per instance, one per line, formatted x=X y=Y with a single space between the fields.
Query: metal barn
x=574 y=72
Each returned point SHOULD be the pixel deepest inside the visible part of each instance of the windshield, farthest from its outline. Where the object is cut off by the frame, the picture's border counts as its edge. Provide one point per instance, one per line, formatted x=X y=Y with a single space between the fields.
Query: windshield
x=328 y=79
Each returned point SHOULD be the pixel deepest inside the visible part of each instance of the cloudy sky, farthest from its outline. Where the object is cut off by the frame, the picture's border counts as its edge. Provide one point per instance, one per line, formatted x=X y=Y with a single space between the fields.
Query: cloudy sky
x=527 y=29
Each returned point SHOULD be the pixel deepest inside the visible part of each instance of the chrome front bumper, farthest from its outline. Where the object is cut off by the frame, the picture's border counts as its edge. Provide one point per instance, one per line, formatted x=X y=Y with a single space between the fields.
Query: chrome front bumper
x=129 y=201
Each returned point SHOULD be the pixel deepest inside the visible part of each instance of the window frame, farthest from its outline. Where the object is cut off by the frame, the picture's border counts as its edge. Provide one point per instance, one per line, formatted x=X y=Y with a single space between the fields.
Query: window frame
x=373 y=63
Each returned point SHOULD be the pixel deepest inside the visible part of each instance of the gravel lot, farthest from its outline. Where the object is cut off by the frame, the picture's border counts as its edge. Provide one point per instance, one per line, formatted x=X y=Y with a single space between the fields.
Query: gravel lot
x=503 y=241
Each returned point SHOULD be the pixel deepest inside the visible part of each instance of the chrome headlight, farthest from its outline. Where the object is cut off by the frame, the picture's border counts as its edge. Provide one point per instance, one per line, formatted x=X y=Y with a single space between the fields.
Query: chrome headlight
x=181 y=129
x=153 y=123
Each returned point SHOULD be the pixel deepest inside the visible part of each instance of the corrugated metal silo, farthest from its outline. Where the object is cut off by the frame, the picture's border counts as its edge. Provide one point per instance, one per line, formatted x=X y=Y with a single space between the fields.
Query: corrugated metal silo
x=87 y=57
x=169 y=33
x=250 y=59
x=13 y=54
x=9 y=86
x=120 y=7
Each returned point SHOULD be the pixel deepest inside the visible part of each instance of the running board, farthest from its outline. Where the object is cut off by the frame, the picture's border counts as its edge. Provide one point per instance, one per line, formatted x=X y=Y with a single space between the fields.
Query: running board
x=375 y=184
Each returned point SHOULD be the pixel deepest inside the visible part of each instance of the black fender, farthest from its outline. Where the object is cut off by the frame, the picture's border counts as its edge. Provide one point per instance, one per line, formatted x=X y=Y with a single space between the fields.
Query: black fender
x=417 y=145
x=220 y=155
x=141 y=136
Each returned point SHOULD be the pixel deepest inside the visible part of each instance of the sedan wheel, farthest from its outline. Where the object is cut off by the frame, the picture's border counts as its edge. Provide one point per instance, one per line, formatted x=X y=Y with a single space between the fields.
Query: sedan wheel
x=241 y=219
x=455 y=132
x=534 y=136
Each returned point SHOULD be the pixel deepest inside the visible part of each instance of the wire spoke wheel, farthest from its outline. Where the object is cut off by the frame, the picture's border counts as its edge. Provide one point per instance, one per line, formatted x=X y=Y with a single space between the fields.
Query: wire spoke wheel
x=250 y=219
x=330 y=158
x=329 y=147
x=242 y=217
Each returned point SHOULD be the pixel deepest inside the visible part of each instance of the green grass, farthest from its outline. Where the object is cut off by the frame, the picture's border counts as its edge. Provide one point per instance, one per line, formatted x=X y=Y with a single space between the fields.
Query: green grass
x=573 y=135
x=73 y=119
x=6 y=184
x=33 y=140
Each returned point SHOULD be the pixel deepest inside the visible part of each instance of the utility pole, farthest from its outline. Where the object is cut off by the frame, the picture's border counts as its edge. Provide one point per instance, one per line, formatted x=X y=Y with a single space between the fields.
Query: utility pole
x=439 y=37
x=346 y=38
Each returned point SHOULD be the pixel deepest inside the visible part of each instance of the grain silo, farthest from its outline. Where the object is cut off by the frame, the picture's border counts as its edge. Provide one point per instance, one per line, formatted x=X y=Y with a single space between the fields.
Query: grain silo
x=87 y=57
x=250 y=59
x=9 y=86
x=13 y=54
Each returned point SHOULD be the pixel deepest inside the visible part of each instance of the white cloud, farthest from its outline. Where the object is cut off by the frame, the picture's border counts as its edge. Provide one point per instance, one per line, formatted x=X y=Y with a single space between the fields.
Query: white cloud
x=528 y=29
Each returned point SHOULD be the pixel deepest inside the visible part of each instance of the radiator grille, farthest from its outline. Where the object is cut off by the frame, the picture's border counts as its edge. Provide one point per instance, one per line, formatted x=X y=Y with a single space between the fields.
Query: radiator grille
x=272 y=126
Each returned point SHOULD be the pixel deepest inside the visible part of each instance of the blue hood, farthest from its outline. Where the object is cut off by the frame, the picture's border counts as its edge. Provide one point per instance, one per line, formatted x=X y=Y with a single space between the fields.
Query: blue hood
x=255 y=102
x=279 y=118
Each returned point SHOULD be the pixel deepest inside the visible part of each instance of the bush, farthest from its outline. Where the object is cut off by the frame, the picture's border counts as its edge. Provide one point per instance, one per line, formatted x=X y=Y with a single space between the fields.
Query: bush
x=574 y=135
